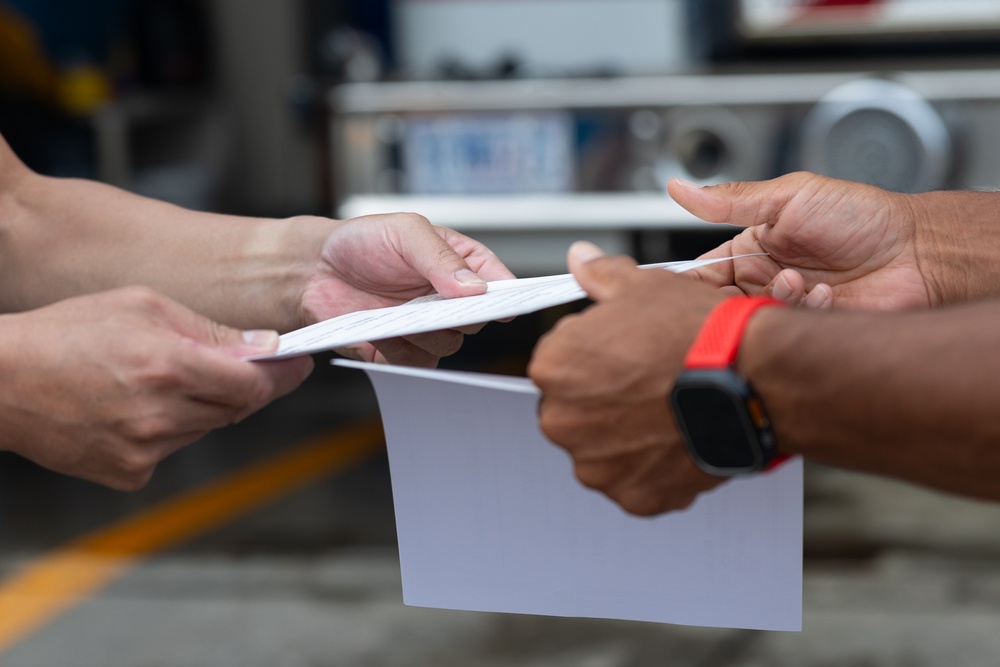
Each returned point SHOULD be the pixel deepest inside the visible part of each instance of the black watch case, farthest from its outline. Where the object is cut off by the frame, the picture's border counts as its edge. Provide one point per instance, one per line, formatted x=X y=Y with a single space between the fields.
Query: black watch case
x=722 y=421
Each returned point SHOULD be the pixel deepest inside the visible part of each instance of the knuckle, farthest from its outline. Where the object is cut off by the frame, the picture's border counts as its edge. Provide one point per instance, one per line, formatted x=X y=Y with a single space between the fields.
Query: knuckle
x=259 y=392
x=133 y=482
x=135 y=469
x=554 y=356
x=157 y=374
x=640 y=504
x=403 y=353
x=147 y=429
x=680 y=504
x=143 y=297
x=445 y=253
x=538 y=372
x=594 y=476
x=644 y=500
x=553 y=427
x=410 y=218
x=452 y=343
x=236 y=414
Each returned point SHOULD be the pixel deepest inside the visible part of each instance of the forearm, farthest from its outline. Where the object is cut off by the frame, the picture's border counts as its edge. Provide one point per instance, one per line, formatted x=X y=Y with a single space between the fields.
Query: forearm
x=957 y=244
x=849 y=390
x=62 y=237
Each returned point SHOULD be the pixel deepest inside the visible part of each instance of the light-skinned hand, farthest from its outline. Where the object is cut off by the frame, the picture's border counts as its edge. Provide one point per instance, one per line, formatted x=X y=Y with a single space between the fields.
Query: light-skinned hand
x=105 y=387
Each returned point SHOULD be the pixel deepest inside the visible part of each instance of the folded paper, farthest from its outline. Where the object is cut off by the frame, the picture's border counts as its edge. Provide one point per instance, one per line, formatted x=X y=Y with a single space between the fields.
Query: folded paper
x=503 y=299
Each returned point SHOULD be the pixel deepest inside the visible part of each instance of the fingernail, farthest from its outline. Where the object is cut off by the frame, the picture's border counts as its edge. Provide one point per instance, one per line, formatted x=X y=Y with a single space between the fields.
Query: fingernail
x=687 y=184
x=820 y=297
x=781 y=290
x=467 y=277
x=262 y=339
x=585 y=251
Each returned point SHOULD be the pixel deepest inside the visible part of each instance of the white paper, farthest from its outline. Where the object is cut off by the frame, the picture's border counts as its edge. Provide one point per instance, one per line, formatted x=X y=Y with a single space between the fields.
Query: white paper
x=490 y=517
x=503 y=299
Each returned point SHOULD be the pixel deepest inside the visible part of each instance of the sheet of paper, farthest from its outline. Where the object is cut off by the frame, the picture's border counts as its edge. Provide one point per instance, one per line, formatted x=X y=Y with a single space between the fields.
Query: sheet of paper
x=503 y=299
x=490 y=518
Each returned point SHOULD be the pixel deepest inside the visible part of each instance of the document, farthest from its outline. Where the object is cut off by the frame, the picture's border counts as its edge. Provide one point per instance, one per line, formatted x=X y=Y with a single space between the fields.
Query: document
x=503 y=299
x=490 y=517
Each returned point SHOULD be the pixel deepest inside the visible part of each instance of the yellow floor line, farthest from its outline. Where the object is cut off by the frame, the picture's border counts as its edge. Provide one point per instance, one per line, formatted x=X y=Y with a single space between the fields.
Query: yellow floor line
x=52 y=584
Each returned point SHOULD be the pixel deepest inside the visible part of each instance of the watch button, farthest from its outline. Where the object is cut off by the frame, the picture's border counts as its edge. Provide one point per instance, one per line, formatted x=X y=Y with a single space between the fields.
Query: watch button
x=756 y=411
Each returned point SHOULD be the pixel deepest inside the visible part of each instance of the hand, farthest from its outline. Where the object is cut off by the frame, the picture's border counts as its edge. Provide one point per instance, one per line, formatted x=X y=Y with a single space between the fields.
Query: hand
x=605 y=377
x=104 y=387
x=384 y=260
x=829 y=242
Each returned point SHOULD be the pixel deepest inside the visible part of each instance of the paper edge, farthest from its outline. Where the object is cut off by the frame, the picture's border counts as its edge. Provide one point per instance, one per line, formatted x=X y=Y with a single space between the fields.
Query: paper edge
x=502 y=382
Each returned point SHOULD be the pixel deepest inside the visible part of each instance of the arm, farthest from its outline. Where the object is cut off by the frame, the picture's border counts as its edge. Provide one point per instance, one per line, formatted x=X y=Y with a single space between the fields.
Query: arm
x=104 y=383
x=910 y=395
x=834 y=242
x=105 y=386
x=61 y=238
x=65 y=237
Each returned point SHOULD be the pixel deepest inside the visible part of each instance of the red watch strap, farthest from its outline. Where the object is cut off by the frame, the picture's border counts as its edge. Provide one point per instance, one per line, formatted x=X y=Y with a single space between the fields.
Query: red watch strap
x=777 y=461
x=718 y=342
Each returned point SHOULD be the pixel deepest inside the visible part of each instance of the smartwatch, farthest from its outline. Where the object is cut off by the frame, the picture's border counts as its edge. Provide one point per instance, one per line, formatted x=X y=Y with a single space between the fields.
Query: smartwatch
x=720 y=417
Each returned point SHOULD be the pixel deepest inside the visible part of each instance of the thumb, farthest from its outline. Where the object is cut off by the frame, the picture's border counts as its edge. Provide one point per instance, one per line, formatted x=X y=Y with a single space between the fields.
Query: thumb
x=744 y=204
x=433 y=258
x=600 y=276
x=239 y=343
x=254 y=341
x=204 y=331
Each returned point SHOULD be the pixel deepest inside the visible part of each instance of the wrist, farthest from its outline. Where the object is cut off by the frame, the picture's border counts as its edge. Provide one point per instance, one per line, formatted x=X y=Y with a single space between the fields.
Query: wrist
x=12 y=364
x=722 y=420
x=783 y=354
x=279 y=259
x=15 y=190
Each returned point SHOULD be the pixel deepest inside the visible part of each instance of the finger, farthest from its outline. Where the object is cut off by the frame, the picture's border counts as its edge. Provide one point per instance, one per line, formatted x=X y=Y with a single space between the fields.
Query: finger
x=819 y=297
x=283 y=375
x=719 y=274
x=475 y=328
x=359 y=352
x=480 y=259
x=438 y=343
x=214 y=376
x=170 y=446
x=207 y=332
x=433 y=258
x=158 y=437
x=470 y=329
x=403 y=353
x=788 y=286
x=745 y=204
x=203 y=359
x=244 y=343
x=600 y=276
x=732 y=290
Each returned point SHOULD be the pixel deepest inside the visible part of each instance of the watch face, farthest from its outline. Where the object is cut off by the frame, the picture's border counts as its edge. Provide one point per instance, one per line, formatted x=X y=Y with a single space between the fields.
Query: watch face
x=711 y=411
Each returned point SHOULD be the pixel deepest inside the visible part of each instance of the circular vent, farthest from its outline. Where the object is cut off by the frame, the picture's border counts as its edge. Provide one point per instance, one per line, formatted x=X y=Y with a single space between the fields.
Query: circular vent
x=879 y=132
x=705 y=145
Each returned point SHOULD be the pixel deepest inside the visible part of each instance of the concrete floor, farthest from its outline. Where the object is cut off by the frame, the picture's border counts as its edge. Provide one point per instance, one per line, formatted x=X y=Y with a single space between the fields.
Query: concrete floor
x=895 y=576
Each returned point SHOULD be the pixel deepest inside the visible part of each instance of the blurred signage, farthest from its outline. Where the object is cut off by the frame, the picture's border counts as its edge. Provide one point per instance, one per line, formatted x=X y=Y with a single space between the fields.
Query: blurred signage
x=488 y=153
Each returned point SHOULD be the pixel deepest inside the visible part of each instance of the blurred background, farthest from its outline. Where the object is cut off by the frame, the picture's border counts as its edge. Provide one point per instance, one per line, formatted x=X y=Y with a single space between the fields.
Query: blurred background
x=527 y=125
